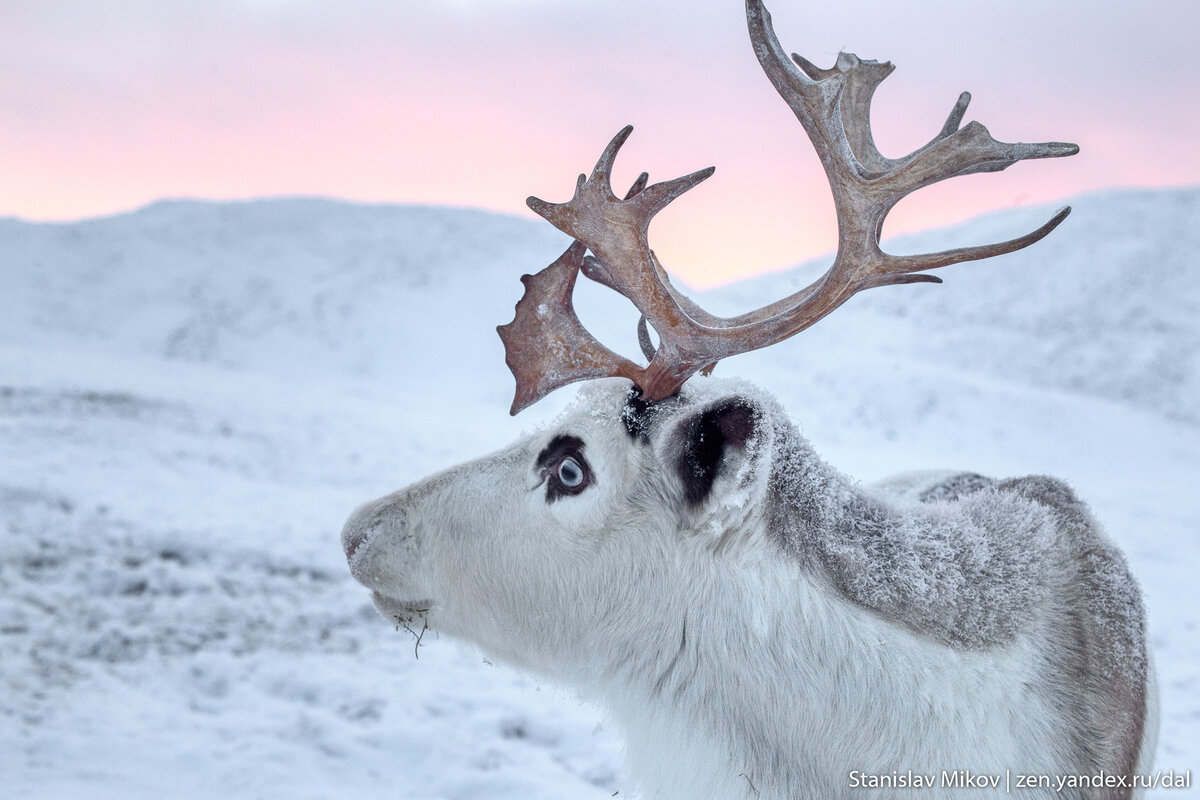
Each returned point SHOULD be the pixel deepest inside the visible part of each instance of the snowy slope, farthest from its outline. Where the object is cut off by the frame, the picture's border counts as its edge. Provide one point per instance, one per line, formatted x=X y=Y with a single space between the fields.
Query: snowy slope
x=193 y=397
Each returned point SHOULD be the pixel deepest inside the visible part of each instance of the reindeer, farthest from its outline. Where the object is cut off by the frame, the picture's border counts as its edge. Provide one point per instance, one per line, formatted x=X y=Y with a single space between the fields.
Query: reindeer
x=758 y=624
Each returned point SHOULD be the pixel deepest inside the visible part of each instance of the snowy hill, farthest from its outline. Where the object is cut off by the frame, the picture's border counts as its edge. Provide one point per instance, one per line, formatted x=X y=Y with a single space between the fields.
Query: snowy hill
x=194 y=396
x=286 y=287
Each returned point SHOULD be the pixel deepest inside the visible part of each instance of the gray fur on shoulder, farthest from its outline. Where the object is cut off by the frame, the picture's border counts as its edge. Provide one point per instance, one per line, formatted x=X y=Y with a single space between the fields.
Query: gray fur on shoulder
x=968 y=566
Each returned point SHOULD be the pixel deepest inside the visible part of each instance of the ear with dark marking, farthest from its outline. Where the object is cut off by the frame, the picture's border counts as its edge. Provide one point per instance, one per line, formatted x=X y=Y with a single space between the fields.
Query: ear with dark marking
x=708 y=439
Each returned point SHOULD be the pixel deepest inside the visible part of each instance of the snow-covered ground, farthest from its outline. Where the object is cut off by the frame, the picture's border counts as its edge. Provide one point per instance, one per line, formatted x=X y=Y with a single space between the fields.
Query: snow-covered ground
x=193 y=398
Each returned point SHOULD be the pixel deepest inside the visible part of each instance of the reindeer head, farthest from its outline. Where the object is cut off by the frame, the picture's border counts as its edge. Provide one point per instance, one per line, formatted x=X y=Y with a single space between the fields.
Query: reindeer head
x=554 y=551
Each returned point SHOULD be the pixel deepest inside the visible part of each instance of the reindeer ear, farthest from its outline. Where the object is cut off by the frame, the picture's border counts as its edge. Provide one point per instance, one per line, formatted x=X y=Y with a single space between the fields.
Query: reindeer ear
x=708 y=441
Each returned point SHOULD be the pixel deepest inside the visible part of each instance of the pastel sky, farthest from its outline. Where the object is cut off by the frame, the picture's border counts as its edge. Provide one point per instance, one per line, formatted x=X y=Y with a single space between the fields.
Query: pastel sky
x=107 y=106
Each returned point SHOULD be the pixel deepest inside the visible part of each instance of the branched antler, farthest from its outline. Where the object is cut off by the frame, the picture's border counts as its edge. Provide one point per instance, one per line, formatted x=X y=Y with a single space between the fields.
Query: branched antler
x=547 y=347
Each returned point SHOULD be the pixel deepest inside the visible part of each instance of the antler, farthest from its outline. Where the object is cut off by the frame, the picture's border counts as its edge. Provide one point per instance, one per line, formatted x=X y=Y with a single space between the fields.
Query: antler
x=547 y=347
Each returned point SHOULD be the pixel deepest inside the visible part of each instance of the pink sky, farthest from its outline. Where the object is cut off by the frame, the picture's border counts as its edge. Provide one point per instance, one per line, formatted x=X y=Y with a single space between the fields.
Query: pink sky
x=107 y=106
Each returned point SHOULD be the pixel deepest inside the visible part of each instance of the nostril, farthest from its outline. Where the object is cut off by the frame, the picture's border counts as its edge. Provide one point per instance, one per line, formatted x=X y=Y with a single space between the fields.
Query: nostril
x=358 y=529
x=352 y=540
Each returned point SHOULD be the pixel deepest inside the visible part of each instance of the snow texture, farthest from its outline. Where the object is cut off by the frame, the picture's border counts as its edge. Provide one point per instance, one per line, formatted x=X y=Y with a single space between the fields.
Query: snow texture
x=194 y=397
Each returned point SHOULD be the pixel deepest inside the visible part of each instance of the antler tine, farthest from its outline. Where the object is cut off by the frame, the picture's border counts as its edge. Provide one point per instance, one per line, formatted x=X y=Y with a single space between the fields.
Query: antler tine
x=919 y=263
x=954 y=120
x=602 y=172
x=638 y=185
x=833 y=105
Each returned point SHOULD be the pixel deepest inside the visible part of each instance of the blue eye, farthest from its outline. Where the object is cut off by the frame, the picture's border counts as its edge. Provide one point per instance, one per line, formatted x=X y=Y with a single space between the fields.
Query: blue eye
x=570 y=473
x=563 y=468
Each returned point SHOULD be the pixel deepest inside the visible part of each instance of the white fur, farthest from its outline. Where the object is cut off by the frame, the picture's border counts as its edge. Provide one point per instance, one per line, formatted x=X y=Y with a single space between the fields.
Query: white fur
x=733 y=670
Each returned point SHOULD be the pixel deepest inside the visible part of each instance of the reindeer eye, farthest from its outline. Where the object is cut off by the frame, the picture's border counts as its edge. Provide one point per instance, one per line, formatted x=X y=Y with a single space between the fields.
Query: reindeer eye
x=570 y=473
x=569 y=476
x=563 y=468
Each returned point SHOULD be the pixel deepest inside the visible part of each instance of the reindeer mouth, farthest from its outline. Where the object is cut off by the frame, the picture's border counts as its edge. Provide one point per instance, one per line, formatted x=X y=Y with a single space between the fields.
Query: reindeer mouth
x=402 y=612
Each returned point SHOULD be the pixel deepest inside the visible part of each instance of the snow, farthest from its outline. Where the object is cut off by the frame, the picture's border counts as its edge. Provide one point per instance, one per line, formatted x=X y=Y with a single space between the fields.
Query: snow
x=195 y=396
